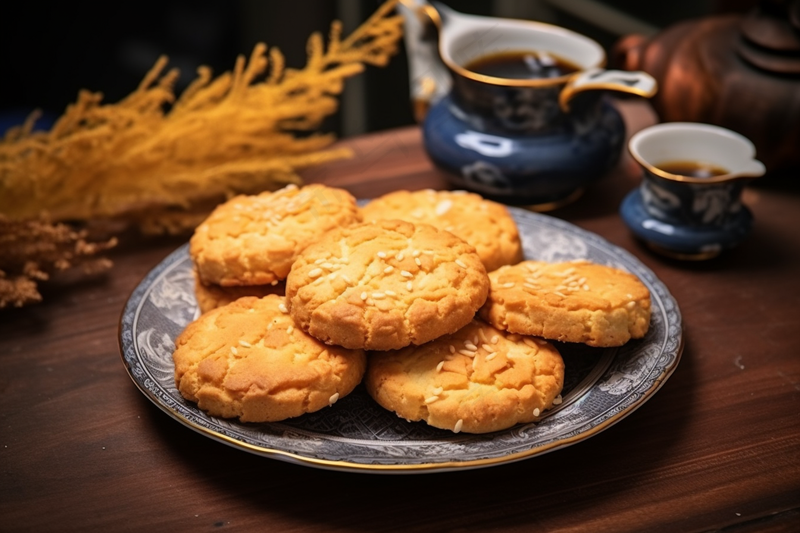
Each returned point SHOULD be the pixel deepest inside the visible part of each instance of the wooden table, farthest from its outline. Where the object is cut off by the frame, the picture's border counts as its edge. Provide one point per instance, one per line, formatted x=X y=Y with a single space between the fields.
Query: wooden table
x=717 y=448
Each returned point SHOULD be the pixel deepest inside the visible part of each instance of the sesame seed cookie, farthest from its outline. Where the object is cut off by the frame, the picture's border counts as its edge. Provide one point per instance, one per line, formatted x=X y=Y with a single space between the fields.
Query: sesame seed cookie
x=386 y=285
x=248 y=360
x=253 y=240
x=572 y=302
x=476 y=380
x=484 y=224
x=210 y=296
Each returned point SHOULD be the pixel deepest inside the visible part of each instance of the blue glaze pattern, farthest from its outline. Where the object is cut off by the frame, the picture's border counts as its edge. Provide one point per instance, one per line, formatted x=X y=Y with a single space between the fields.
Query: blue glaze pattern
x=523 y=168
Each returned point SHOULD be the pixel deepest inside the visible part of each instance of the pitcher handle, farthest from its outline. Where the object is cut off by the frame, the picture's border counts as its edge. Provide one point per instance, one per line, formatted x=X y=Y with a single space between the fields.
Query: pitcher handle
x=637 y=82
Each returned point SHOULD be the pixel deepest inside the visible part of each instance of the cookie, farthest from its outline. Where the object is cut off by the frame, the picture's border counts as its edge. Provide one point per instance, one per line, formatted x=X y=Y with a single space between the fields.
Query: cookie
x=484 y=224
x=476 y=380
x=253 y=240
x=386 y=285
x=212 y=296
x=248 y=360
x=572 y=302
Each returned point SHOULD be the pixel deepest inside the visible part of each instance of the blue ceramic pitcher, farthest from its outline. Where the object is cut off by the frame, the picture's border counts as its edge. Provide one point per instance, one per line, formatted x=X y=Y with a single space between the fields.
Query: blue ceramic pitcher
x=534 y=141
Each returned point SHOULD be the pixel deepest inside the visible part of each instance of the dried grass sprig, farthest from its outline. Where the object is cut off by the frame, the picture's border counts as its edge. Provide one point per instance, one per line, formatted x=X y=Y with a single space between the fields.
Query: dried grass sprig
x=244 y=131
x=162 y=162
x=33 y=250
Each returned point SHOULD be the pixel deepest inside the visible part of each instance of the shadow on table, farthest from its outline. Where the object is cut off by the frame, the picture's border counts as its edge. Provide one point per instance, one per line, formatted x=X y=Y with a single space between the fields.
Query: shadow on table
x=561 y=487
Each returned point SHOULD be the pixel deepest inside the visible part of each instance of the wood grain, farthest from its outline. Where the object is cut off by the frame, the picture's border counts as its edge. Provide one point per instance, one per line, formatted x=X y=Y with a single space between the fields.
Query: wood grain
x=715 y=449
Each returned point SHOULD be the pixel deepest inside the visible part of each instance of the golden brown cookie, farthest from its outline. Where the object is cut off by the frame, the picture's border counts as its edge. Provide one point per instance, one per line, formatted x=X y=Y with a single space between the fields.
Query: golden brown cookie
x=211 y=296
x=484 y=224
x=385 y=285
x=253 y=240
x=248 y=360
x=572 y=302
x=476 y=380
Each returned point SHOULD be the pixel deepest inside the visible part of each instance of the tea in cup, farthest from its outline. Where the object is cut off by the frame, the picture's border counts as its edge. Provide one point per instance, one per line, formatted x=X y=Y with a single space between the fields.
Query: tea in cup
x=689 y=202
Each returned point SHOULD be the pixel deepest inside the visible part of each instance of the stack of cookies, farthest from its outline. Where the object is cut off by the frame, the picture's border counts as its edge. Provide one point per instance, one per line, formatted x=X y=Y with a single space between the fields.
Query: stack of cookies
x=422 y=296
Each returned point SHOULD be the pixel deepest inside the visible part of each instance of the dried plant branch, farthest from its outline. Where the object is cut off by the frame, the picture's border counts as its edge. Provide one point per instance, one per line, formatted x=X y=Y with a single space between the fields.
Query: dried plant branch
x=163 y=162
x=153 y=152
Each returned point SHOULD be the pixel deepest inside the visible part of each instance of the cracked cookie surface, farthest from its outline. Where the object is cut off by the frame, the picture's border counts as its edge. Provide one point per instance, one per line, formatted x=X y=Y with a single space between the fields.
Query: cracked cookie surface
x=386 y=285
x=248 y=360
x=576 y=301
x=253 y=240
x=484 y=224
x=477 y=380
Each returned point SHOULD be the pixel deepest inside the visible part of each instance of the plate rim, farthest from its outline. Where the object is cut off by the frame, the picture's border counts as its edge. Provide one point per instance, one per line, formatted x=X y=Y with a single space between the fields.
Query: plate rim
x=400 y=468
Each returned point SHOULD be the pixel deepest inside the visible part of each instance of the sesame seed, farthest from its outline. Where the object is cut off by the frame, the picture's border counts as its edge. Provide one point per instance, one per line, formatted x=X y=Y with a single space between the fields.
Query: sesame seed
x=290 y=329
x=328 y=265
x=475 y=340
x=495 y=339
x=585 y=287
x=630 y=305
x=399 y=256
x=390 y=293
x=431 y=399
x=274 y=282
x=363 y=295
x=491 y=356
x=509 y=284
x=581 y=281
x=382 y=255
x=630 y=296
x=530 y=343
x=378 y=295
x=440 y=366
x=469 y=346
x=332 y=275
x=283 y=308
x=246 y=344
x=560 y=294
x=488 y=348
x=345 y=278
x=468 y=353
x=530 y=286
x=319 y=261
x=536 y=412
x=452 y=349
x=409 y=286
x=234 y=351
x=482 y=335
x=415 y=253
x=427 y=252
x=318 y=281
x=315 y=273
x=437 y=391
x=443 y=207
x=333 y=399
x=458 y=425
x=406 y=274
x=557 y=400
x=460 y=263
x=417 y=261
x=569 y=271
x=388 y=270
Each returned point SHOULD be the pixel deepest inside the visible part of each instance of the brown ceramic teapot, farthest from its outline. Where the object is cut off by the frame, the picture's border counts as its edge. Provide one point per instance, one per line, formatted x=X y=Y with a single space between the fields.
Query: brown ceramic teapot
x=738 y=72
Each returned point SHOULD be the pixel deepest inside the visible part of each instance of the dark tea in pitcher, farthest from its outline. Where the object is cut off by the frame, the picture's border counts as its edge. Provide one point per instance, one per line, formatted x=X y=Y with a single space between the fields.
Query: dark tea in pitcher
x=692 y=169
x=521 y=65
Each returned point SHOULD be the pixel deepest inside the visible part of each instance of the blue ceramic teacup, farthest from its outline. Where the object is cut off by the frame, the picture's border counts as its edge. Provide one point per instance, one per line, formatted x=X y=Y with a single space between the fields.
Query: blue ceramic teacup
x=689 y=202
x=537 y=140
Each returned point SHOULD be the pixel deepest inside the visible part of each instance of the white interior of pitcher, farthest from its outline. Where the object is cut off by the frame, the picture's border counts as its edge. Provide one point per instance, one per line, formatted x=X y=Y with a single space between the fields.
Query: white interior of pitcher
x=467 y=39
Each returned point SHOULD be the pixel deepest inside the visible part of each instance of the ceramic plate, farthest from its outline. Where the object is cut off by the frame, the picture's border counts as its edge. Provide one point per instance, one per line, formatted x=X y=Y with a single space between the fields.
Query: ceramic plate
x=602 y=386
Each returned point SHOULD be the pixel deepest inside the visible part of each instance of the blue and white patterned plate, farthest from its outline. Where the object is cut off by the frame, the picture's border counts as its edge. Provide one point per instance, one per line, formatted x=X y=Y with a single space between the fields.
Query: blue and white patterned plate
x=602 y=386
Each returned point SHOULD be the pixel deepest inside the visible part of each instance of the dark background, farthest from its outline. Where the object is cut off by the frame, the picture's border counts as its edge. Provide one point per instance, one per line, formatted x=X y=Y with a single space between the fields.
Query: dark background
x=50 y=51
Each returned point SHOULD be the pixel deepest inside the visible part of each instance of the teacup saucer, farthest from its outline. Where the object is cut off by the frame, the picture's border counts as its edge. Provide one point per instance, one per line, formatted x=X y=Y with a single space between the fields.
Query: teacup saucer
x=684 y=242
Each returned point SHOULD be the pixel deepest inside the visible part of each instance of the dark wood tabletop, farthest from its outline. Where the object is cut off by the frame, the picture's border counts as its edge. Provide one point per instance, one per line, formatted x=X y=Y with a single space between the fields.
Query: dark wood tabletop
x=717 y=448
